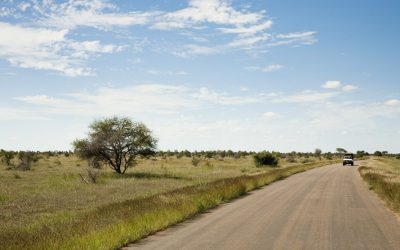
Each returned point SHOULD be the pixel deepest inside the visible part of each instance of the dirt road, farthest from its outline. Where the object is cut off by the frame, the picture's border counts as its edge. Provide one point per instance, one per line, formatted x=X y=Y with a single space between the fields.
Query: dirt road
x=325 y=208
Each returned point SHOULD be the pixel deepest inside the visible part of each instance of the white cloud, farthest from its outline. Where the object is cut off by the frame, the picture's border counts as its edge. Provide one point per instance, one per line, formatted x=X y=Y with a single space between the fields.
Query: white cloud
x=51 y=20
x=15 y=37
x=331 y=85
x=52 y=24
x=146 y=98
x=42 y=100
x=4 y=11
x=170 y=73
x=23 y=6
x=296 y=39
x=349 y=88
x=331 y=116
x=90 y=13
x=166 y=108
x=48 y=49
x=267 y=68
x=248 y=41
x=192 y=50
x=154 y=98
x=223 y=98
x=270 y=115
x=211 y=11
x=393 y=102
x=249 y=27
x=272 y=68
x=306 y=97
x=95 y=47
x=296 y=35
x=246 y=31
x=10 y=114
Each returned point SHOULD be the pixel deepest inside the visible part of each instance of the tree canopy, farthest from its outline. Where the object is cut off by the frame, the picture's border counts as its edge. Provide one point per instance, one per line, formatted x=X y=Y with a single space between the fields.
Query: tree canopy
x=116 y=142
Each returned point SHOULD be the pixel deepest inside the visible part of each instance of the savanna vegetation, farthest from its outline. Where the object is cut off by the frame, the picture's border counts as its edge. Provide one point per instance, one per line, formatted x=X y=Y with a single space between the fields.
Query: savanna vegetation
x=383 y=176
x=116 y=187
x=54 y=205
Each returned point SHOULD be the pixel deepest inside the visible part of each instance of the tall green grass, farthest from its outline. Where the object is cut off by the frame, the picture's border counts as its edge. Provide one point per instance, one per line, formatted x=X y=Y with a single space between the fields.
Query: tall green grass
x=384 y=184
x=117 y=224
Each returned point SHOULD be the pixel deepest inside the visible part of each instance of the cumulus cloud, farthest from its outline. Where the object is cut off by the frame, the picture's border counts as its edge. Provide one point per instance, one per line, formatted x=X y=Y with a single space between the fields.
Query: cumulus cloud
x=48 y=49
x=211 y=11
x=249 y=28
x=349 y=88
x=393 y=102
x=52 y=24
x=331 y=85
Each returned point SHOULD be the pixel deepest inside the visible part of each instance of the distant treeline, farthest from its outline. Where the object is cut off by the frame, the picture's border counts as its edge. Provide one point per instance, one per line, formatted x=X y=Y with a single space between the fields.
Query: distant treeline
x=8 y=155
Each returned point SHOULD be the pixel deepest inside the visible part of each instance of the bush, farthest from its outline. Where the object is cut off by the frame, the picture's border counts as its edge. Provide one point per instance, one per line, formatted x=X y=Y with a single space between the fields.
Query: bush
x=265 y=159
x=291 y=157
x=328 y=156
x=27 y=159
x=195 y=161
x=7 y=157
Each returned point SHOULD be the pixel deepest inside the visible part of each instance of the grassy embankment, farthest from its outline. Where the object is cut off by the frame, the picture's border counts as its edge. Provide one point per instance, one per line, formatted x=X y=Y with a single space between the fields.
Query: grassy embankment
x=383 y=176
x=49 y=207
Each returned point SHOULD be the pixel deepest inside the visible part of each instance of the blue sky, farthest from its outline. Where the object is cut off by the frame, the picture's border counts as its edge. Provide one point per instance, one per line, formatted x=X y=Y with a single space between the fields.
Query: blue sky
x=203 y=74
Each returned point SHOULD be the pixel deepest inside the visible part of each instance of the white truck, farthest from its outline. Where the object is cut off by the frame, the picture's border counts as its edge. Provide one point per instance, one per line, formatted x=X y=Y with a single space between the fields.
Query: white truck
x=348 y=159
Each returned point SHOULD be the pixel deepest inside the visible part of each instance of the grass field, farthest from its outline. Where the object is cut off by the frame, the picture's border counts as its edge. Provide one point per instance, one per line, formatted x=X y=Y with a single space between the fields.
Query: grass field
x=383 y=176
x=50 y=207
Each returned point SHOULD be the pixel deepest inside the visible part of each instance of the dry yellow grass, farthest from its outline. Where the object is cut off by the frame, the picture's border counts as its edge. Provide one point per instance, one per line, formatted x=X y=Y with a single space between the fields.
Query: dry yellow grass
x=53 y=194
x=383 y=176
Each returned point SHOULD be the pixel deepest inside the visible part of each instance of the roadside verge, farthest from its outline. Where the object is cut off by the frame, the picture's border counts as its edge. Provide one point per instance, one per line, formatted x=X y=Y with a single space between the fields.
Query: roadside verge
x=385 y=183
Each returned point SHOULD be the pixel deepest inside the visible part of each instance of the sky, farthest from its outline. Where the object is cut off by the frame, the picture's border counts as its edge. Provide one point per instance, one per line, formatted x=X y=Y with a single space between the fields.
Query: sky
x=203 y=74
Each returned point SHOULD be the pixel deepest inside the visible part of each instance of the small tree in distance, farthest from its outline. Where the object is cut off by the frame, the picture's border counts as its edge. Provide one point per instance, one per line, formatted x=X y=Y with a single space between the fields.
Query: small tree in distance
x=317 y=153
x=116 y=142
x=341 y=150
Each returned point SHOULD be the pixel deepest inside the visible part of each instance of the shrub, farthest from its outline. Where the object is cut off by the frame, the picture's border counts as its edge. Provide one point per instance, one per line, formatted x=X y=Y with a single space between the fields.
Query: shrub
x=265 y=158
x=57 y=163
x=27 y=158
x=291 y=157
x=305 y=160
x=328 y=156
x=92 y=175
x=7 y=157
x=195 y=161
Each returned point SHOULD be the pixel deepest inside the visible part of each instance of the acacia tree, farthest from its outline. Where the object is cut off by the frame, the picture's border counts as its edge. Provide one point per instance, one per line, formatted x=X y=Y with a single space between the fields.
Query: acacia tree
x=341 y=150
x=318 y=153
x=116 y=142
